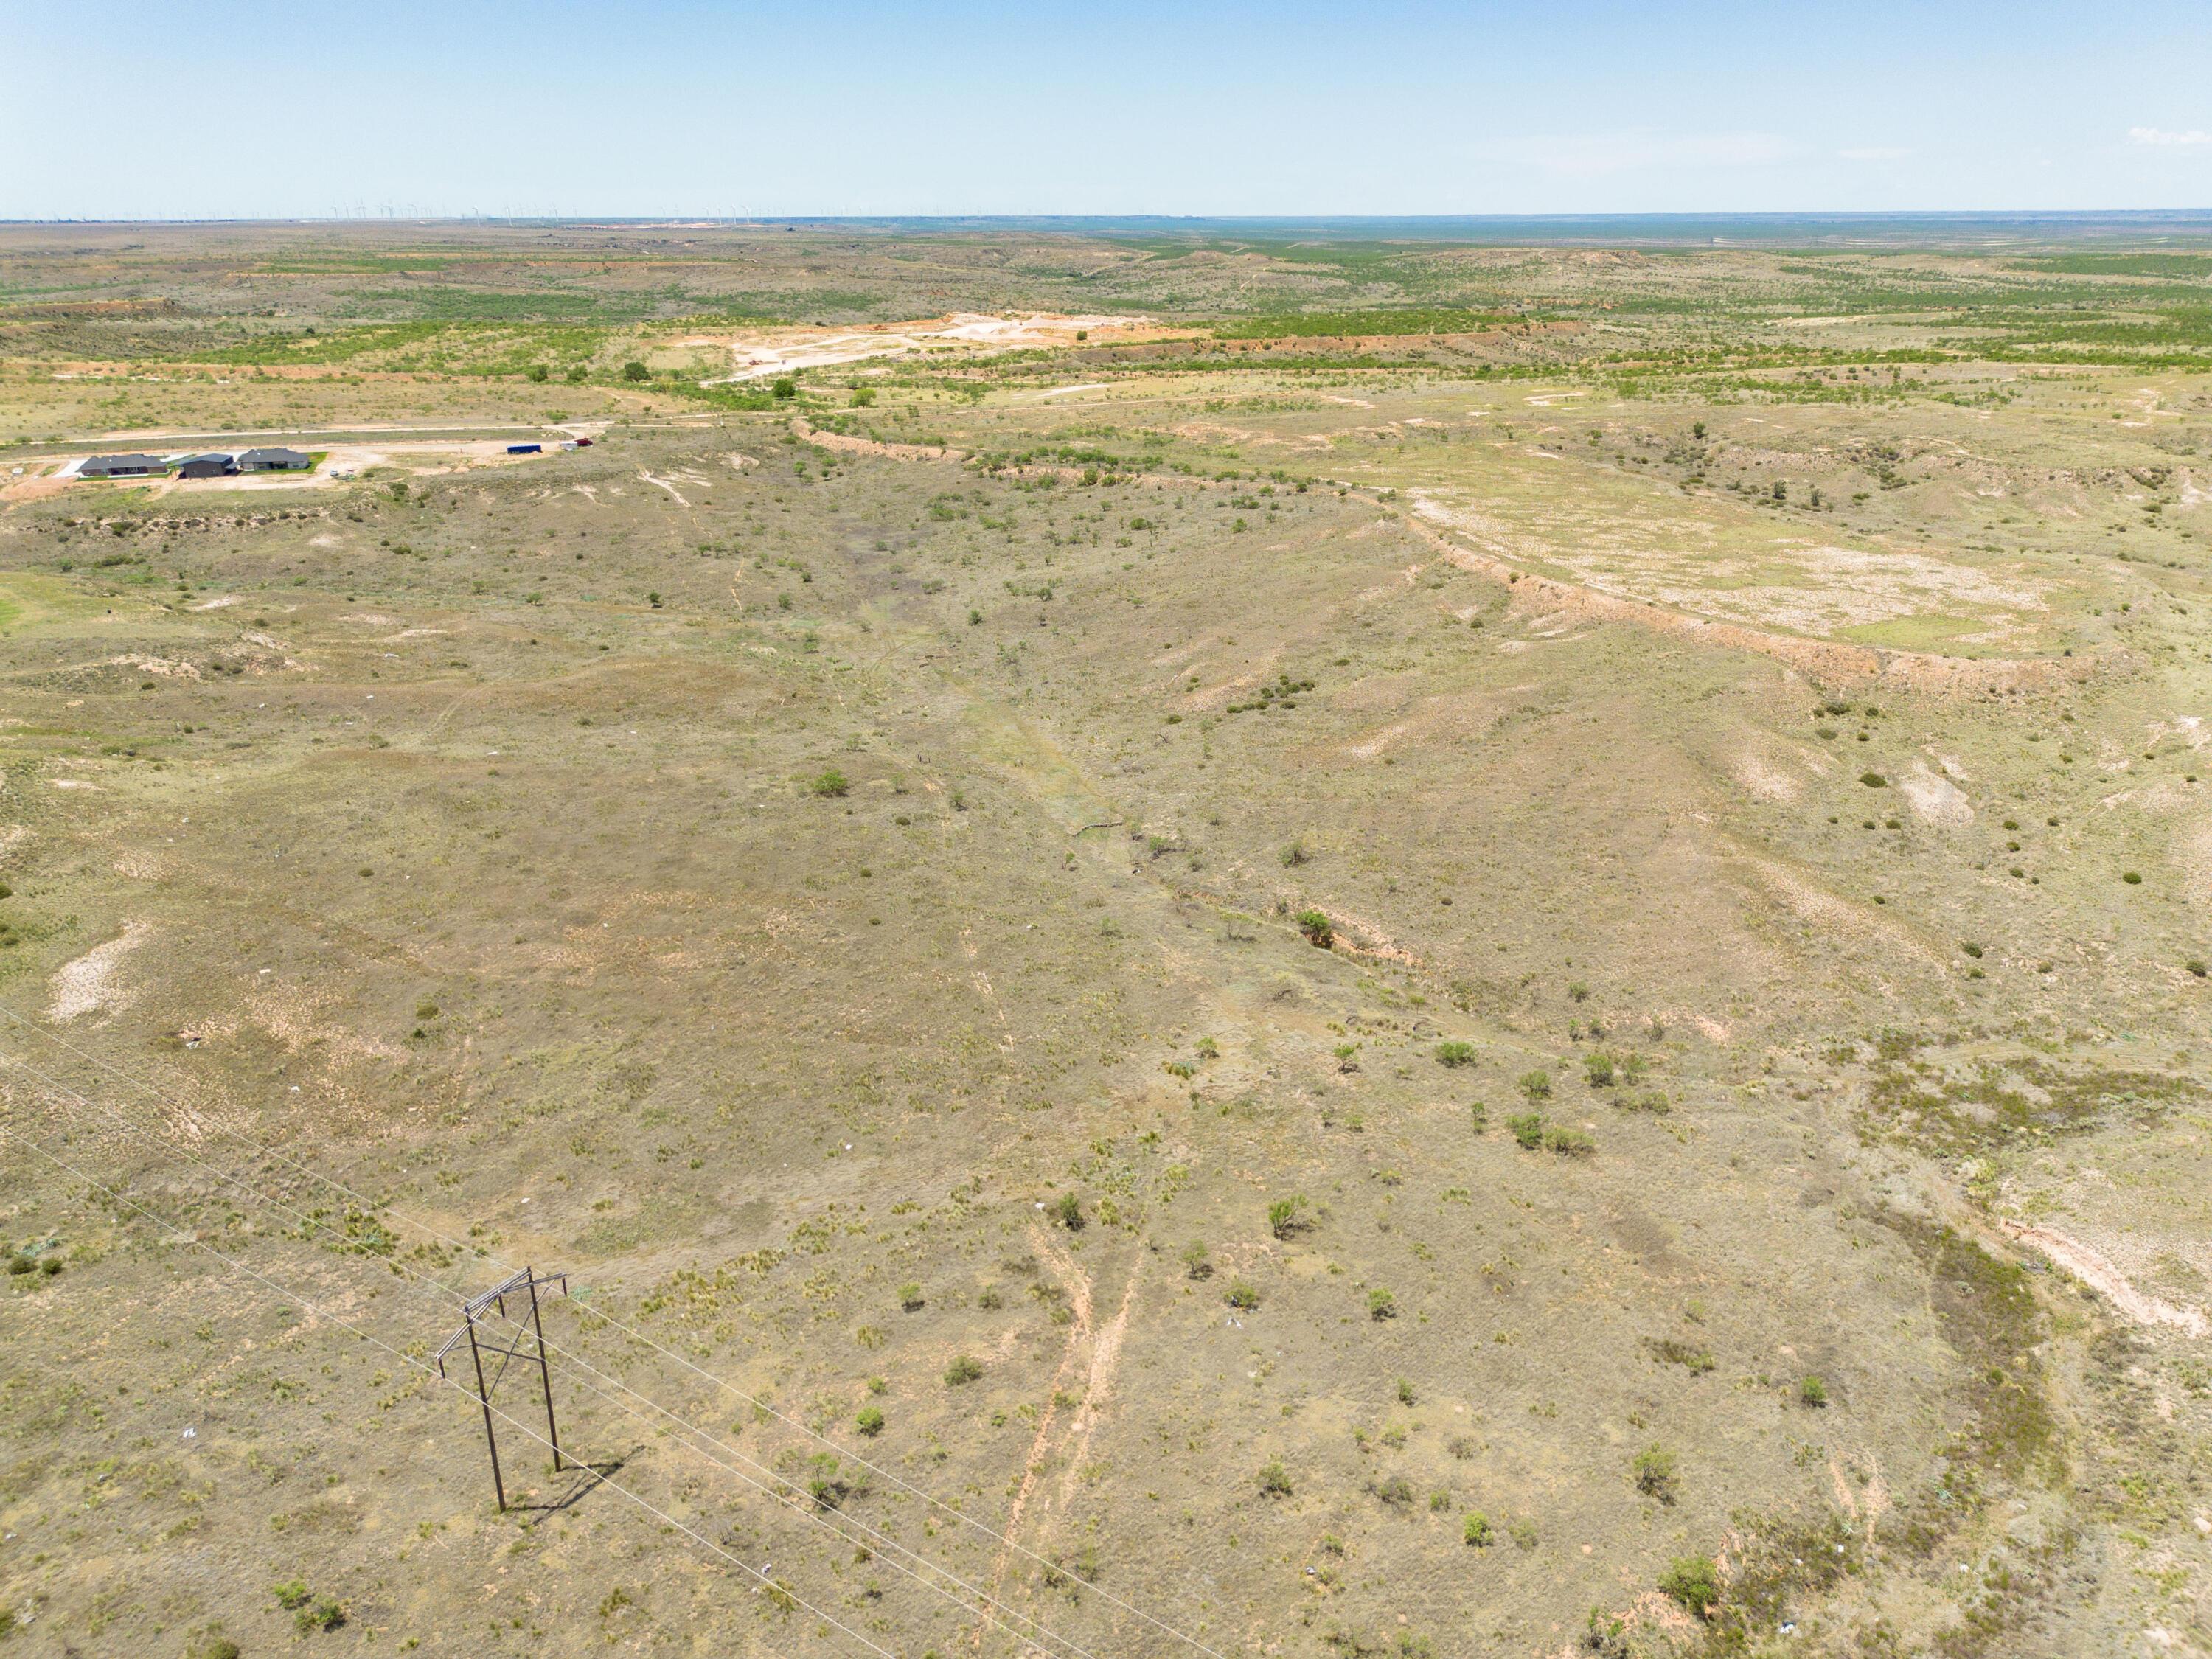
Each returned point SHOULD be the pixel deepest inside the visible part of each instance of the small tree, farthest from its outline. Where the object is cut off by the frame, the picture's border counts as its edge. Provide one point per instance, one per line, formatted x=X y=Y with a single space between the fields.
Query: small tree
x=1476 y=1530
x=1537 y=1085
x=1067 y=1210
x=1274 y=1480
x=1196 y=1263
x=1283 y=1215
x=964 y=1370
x=1454 y=1053
x=832 y=783
x=1694 y=1581
x=1528 y=1128
x=1655 y=1473
x=785 y=388
x=1381 y=1305
x=1598 y=1067
x=1241 y=1297
x=1814 y=1392
x=1319 y=932
x=870 y=1422
x=633 y=370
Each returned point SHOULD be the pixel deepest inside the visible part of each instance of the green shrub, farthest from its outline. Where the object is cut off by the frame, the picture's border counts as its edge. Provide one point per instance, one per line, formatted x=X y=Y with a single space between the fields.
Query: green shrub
x=1283 y=1215
x=1692 y=1358
x=1655 y=1468
x=1694 y=1581
x=1195 y=1261
x=831 y=782
x=1568 y=1143
x=1971 y=948
x=1814 y=1392
x=863 y=396
x=965 y=1369
x=1394 y=1490
x=1317 y=928
x=2195 y=965
x=1455 y=1053
x=1528 y=1128
x=869 y=1421
x=1381 y=1306
x=1274 y=1480
x=324 y=1615
x=785 y=388
x=633 y=370
x=1405 y=1391
x=1476 y=1530
x=1537 y=1085
x=292 y=1593
x=1479 y=1115
x=1598 y=1067
x=1241 y=1295
x=1873 y=779
x=2132 y=878
x=1067 y=1210
x=910 y=1297
x=1653 y=1100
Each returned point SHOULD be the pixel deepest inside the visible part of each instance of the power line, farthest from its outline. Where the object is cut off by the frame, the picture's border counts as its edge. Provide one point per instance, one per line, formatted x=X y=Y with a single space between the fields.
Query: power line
x=772 y=1486
x=639 y=1336
x=430 y=1372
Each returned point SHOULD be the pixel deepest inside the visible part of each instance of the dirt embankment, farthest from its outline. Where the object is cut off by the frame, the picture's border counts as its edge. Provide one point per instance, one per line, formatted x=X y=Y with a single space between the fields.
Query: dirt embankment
x=1821 y=659
x=1828 y=660
x=838 y=443
x=2100 y=1275
x=1333 y=345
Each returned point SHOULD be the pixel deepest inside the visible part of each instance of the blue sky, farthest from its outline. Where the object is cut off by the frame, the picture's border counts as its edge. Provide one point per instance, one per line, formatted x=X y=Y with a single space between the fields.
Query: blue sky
x=225 y=108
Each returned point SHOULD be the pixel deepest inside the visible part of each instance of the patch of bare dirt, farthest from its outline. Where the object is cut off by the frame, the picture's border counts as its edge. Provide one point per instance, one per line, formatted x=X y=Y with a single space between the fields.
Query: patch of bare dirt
x=87 y=985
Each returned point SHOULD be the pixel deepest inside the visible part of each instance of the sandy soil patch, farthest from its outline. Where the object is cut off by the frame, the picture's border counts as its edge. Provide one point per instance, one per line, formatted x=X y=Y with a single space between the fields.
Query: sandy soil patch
x=167 y=668
x=1764 y=780
x=1814 y=905
x=1935 y=799
x=87 y=985
x=755 y=355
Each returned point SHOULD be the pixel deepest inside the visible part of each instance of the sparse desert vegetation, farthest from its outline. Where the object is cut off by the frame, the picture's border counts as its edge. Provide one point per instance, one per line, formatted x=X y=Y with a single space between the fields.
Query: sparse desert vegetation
x=971 y=889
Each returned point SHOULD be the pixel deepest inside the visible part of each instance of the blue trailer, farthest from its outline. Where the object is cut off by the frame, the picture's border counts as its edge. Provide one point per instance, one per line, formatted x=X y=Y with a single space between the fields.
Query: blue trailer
x=525 y=449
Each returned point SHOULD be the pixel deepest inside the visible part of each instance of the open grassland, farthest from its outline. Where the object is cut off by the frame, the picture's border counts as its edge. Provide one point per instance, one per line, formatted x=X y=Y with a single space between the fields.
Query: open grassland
x=1421 y=980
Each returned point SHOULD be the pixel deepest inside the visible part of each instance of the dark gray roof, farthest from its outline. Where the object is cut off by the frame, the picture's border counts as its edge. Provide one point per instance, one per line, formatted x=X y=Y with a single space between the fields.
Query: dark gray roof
x=272 y=457
x=100 y=463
